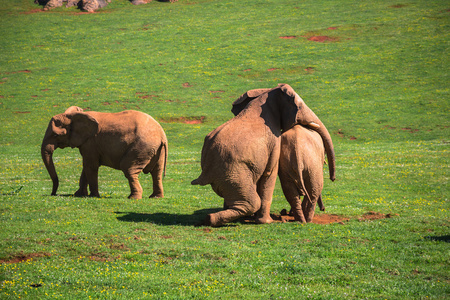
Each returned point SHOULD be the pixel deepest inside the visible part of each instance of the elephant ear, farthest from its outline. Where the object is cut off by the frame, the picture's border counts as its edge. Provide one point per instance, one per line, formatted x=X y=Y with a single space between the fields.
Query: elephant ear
x=241 y=103
x=72 y=110
x=83 y=127
x=290 y=106
x=59 y=124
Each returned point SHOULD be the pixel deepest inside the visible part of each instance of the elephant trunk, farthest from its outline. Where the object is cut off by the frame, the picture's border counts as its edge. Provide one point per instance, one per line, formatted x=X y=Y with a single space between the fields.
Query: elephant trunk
x=317 y=125
x=47 y=156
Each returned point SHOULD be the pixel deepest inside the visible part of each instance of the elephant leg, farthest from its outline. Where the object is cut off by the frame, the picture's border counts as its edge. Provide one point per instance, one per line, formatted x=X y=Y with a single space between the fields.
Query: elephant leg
x=240 y=202
x=314 y=191
x=82 y=191
x=156 y=169
x=91 y=173
x=293 y=196
x=135 y=186
x=266 y=186
x=309 y=208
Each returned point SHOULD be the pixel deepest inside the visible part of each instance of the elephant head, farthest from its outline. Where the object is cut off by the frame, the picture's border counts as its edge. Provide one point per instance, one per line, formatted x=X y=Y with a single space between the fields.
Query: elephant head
x=297 y=113
x=69 y=129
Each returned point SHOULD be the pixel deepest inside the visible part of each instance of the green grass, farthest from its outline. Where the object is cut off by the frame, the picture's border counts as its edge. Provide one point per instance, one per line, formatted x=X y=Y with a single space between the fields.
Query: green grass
x=381 y=87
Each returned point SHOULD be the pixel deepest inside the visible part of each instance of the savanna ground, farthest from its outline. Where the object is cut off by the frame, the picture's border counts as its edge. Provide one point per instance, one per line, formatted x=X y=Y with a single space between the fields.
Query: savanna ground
x=375 y=72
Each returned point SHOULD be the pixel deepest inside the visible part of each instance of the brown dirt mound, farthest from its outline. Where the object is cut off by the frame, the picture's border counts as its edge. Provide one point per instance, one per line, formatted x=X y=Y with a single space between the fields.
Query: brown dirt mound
x=20 y=257
x=318 y=219
x=371 y=215
x=331 y=218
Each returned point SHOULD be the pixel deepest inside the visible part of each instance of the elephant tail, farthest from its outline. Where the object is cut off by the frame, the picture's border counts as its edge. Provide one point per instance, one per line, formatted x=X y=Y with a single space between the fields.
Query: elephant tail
x=166 y=153
x=320 y=202
x=301 y=184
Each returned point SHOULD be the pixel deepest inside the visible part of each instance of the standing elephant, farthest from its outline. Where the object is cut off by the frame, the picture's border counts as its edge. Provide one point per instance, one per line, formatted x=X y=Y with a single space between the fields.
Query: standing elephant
x=300 y=166
x=240 y=158
x=301 y=171
x=130 y=141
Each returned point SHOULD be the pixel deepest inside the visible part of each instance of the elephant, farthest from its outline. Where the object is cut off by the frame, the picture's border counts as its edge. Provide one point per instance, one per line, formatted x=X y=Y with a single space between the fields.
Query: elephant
x=130 y=141
x=301 y=171
x=300 y=166
x=239 y=159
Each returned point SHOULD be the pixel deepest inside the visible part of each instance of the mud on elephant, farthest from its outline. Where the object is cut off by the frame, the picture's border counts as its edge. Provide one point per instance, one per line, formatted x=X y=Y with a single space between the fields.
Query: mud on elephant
x=240 y=158
x=130 y=141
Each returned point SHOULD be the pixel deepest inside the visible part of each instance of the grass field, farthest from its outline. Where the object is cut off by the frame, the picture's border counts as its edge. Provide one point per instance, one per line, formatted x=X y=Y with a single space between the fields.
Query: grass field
x=375 y=72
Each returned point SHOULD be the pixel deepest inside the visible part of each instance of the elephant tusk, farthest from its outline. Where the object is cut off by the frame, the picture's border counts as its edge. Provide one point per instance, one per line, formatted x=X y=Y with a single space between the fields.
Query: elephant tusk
x=313 y=125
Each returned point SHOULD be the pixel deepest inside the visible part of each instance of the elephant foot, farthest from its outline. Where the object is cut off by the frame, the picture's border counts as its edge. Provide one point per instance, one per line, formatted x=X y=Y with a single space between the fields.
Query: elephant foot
x=81 y=193
x=263 y=220
x=157 y=195
x=213 y=220
x=135 y=196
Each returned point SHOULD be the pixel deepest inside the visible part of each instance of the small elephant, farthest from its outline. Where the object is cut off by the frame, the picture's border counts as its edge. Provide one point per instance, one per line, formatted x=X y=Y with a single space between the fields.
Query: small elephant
x=130 y=141
x=240 y=158
x=301 y=171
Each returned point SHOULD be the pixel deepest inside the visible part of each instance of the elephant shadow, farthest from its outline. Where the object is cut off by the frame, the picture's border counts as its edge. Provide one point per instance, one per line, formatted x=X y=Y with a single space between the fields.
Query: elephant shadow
x=441 y=238
x=161 y=218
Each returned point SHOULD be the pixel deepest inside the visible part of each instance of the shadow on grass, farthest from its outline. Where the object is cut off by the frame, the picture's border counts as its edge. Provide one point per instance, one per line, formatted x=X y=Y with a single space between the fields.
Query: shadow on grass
x=166 y=218
x=441 y=238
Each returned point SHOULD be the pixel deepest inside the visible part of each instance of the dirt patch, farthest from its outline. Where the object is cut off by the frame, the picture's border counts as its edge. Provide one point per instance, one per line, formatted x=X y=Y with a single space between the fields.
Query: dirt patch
x=272 y=69
x=22 y=112
x=288 y=37
x=21 y=71
x=410 y=129
x=323 y=38
x=33 y=11
x=371 y=215
x=21 y=257
x=342 y=135
x=142 y=96
x=398 y=5
x=318 y=219
x=187 y=84
x=185 y=120
x=323 y=219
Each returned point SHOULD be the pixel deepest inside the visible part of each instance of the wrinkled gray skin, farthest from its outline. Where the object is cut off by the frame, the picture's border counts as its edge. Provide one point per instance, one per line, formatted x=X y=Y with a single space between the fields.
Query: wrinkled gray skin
x=240 y=158
x=301 y=163
x=130 y=141
x=301 y=171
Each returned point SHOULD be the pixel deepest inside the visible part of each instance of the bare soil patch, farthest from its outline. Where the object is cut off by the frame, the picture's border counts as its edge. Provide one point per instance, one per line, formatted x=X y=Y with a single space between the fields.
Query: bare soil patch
x=324 y=219
x=323 y=38
x=21 y=257
x=318 y=218
x=288 y=37
x=372 y=215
